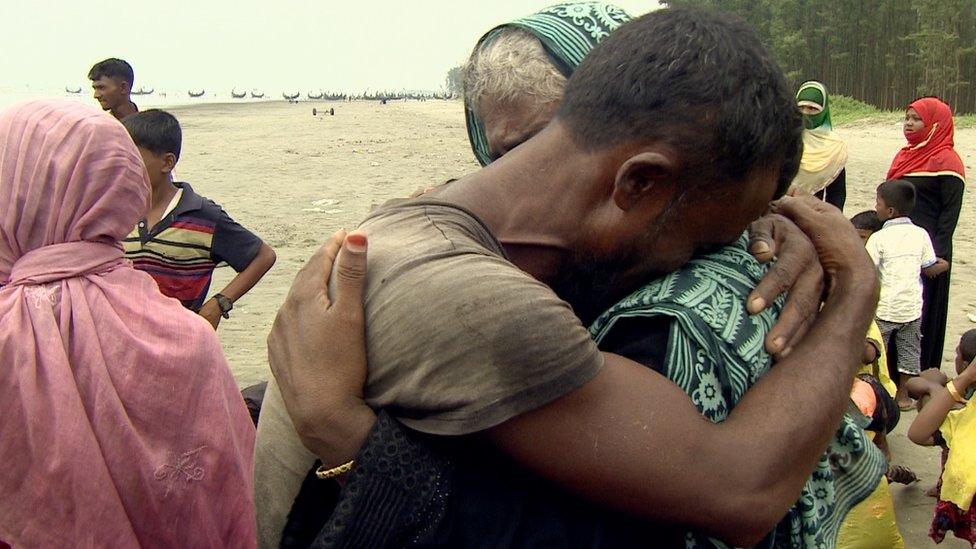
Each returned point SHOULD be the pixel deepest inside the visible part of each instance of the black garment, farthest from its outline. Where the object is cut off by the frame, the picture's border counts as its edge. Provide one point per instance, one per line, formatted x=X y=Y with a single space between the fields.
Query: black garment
x=254 y=397
x=409 y=489
x=836 y=192
x=937 y=205
x=414 y=490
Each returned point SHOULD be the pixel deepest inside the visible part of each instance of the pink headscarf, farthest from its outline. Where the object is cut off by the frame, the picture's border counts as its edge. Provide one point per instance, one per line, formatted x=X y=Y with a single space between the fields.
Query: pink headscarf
x=119 y=419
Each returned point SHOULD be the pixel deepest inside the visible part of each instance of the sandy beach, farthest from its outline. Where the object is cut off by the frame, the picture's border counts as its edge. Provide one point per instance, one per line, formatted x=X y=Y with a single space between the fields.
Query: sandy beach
x=294 y=178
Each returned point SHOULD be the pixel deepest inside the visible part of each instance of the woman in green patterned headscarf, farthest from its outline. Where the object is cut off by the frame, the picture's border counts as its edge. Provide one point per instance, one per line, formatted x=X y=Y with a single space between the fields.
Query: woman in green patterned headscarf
x=515 y=76
x=822 y=168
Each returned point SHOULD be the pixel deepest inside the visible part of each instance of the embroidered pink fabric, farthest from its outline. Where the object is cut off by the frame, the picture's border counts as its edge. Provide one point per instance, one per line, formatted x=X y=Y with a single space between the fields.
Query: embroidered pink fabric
x=120 y=422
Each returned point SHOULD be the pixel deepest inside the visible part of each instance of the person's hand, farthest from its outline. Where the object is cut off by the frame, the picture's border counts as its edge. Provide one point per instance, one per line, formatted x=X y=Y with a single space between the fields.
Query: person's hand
x=845 y=262
x=937 y=269
x=796 y=269
x=211 y=311
x=317 y=351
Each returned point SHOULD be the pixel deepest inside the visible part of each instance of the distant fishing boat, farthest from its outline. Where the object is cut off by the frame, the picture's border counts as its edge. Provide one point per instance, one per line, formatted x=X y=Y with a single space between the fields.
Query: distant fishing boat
x=256 y=94
x=69 y=90
x=197 y=94
x=142 y=91
x=319 y=96
x=236 y=95
x=293 y=97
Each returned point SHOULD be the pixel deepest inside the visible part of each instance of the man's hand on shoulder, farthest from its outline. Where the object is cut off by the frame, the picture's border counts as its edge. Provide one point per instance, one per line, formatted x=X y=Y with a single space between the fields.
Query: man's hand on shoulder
x=795 y=270
x=842 y=255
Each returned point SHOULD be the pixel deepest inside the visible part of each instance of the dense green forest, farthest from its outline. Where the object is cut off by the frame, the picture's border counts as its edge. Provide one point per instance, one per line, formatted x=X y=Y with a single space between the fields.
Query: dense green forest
x=883 y=52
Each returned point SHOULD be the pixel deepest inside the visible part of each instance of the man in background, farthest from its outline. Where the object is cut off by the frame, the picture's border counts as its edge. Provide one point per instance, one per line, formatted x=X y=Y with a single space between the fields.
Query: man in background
x=112 y=84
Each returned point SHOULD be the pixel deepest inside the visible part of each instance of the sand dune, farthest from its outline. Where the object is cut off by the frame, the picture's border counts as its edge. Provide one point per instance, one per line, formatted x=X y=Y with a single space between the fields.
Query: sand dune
x=294 y=179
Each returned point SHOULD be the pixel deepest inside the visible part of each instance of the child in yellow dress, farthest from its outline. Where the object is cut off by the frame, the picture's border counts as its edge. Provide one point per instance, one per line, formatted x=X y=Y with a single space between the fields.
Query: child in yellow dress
x=949 y=419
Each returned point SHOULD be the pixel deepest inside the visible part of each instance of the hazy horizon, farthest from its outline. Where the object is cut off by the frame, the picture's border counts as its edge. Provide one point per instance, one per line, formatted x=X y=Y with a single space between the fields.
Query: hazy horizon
x=219 y=44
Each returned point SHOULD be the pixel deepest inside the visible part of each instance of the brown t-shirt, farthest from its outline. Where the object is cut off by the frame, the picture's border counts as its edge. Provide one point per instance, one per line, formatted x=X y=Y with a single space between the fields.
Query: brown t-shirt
x=459 y=339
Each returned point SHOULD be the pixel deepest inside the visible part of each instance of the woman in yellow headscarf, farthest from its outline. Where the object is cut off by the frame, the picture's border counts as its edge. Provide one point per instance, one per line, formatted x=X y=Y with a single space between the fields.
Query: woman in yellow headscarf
x=822 y=168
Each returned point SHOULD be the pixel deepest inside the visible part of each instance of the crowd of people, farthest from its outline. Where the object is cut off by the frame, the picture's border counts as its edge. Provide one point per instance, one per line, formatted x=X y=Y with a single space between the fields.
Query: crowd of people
x=581 y=344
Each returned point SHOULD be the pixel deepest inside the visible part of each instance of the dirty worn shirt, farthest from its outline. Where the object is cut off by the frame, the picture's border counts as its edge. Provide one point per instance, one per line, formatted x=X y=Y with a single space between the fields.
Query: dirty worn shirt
x=459 y=338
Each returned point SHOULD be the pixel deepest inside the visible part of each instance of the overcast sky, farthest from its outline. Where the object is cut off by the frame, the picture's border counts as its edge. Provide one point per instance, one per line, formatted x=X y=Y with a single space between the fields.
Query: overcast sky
x=268 y=44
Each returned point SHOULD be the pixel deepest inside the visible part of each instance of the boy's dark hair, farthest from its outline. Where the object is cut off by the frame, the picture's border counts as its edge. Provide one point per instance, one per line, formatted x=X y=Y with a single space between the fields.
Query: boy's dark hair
x=898 y=194
x=867 y=221
x=698 y=79
x=967 y=345
x=112 y=68
x=155 y=130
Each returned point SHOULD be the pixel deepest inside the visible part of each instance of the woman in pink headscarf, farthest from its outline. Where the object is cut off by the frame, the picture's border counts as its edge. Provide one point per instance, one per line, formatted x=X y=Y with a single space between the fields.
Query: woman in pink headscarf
x=121 y=423
x=930 y=162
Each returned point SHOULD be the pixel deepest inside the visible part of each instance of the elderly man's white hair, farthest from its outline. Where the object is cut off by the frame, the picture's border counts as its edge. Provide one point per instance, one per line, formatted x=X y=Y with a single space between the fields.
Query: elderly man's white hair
x=510 y=65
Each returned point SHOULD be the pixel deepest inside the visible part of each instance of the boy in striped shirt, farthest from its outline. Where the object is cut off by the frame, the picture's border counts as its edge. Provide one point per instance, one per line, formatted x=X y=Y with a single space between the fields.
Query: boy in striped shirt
x=185 y=236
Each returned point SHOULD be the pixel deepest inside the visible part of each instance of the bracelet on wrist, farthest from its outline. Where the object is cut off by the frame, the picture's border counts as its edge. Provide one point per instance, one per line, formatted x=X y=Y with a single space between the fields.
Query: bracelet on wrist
x=323 y=473
x=951 y=386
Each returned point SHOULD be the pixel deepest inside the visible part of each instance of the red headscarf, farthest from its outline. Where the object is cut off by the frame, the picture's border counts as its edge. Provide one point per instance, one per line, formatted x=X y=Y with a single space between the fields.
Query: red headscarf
x=929 y=150
x=120 y=420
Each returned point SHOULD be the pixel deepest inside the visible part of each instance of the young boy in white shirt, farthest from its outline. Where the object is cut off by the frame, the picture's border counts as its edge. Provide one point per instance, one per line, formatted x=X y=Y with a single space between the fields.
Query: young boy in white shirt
x=902 y=252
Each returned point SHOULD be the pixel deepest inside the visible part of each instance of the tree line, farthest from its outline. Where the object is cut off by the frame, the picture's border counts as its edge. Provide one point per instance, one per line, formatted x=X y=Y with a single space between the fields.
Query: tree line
x=883 y=52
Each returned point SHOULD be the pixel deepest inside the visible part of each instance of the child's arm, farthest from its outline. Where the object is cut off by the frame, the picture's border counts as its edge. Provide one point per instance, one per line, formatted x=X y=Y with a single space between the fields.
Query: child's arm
x=932 y=415
x=241 y=284
x=940 y=266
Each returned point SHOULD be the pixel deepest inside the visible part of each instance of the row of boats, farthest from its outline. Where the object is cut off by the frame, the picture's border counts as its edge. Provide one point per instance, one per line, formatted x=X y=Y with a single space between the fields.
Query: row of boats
x=254 y=94
x=382 y=96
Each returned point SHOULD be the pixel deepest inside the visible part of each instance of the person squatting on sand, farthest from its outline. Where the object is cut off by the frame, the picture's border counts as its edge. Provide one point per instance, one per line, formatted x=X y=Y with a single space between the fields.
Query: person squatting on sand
x=184 y=236
x=947 y=418
x=536 y=389
x=122 y=425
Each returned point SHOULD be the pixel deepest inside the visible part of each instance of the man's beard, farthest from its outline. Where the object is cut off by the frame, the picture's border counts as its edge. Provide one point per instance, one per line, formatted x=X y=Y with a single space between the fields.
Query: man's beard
x=591 y=285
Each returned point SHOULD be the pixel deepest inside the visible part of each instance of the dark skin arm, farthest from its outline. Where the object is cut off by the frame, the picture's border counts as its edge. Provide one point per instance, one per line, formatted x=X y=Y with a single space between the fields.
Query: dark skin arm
x=241 y=284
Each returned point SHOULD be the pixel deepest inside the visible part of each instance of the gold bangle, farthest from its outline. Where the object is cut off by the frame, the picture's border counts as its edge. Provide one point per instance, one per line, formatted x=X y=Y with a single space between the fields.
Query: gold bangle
x=951 y=386
x=322 y=473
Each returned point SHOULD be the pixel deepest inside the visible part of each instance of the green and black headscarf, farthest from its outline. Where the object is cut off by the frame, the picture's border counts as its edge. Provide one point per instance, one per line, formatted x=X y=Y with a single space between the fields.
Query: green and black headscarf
x=814 y=94
x=568 y=32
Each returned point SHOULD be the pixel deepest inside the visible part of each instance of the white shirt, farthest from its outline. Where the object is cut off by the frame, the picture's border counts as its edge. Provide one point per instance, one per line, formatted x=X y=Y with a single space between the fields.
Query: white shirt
x=174 y=202
x=900 y=251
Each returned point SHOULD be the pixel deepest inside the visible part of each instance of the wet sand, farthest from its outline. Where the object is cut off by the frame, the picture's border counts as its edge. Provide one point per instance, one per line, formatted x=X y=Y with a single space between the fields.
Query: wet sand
x=294 y=179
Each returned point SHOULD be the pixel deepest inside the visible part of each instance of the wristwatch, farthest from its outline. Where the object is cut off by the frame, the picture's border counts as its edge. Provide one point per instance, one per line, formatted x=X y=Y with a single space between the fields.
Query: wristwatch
x=225 y=304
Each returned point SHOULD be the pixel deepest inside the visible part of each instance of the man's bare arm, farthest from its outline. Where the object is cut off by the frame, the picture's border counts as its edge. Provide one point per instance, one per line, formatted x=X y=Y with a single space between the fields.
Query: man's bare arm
x=631 y=439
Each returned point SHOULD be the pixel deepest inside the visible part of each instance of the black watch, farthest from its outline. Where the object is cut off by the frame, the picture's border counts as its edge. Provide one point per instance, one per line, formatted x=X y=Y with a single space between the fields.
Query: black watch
x=225 y=304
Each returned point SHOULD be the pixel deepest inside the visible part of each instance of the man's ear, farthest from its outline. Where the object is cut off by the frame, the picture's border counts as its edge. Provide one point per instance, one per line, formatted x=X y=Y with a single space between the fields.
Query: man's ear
x=644 y=176
x=126 y=87
x=169 y=162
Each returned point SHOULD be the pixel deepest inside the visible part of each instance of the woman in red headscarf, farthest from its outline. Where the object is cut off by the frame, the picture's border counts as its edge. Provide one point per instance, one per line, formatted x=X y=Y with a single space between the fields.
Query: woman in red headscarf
x=931 y=164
